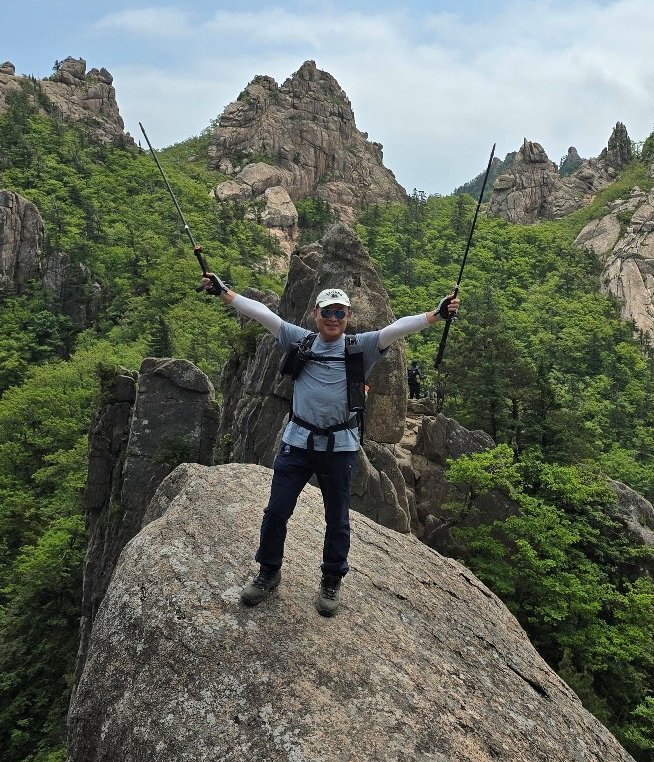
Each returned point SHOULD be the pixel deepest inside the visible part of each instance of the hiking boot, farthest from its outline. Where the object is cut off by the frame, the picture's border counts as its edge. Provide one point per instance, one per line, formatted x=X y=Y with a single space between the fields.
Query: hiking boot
x=266 y=580
x=327 y=602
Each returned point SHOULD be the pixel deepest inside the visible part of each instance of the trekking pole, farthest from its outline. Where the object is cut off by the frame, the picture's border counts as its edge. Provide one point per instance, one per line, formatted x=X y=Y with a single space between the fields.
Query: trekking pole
x=448 y=322
x=197 y=250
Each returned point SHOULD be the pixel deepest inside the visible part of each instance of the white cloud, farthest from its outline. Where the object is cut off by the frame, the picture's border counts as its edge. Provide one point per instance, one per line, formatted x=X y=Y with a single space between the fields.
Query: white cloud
x=153 y=23
x=437 y=89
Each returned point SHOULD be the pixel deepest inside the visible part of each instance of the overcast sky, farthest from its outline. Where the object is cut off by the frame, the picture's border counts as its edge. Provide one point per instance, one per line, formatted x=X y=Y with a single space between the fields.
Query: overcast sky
x=437 y=83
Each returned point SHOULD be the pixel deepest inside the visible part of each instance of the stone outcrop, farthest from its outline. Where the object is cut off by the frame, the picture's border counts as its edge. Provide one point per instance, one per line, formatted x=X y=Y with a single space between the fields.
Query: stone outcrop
x=627 y=257
x=150 y=422
x=21 y=243
x=533 y=189
x=74 y=95
x=306 y=129
x=636 y=514
x=422 y=663
x=619 y=152
x=437 y=501
x=258 y=186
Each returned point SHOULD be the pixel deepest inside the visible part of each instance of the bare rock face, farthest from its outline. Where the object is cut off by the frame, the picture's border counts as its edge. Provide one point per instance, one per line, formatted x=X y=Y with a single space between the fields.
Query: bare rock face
x=379 y=490
x=21 y=243
x=76 y=96
x=151 y=422
x=636 y=514
x=422 y=662
x=7 y=68
x=533 y=188
x=628 y=257
x=306 y=128
x=438 y=440
x=70 y=289
x=600 y=236
x=280 y=216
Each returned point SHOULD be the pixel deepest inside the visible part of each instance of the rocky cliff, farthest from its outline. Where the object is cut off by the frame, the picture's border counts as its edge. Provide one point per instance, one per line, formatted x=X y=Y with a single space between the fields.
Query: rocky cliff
x=150 y=422
x=69 y=287
x=626 y=252
x=21 y=243
x=72 y=94
x=422 y=663
x=301 y=137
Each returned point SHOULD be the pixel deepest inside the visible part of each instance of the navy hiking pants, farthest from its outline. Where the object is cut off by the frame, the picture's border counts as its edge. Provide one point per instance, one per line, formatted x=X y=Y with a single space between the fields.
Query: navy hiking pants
x=293 y=467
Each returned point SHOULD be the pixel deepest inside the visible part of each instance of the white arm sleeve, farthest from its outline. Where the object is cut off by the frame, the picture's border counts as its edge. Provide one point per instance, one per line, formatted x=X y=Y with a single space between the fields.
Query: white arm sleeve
x=400 y=328
x=259 y=312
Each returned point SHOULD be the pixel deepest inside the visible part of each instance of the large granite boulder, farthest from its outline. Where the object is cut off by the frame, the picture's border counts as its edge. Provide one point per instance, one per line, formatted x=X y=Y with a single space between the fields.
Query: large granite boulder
x=306 y=128
x=422 y=662
x=21 y=243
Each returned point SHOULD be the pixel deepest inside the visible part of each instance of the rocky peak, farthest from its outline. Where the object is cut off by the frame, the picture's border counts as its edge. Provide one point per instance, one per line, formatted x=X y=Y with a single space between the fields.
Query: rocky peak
x=76 y=95
x=520 y=193
x=534 y=189
x=304 y=129
x=619 y=151
x=570 y=162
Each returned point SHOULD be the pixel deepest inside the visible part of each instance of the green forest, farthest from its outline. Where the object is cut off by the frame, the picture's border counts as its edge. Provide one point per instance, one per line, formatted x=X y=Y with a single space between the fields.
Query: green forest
x=539 y=359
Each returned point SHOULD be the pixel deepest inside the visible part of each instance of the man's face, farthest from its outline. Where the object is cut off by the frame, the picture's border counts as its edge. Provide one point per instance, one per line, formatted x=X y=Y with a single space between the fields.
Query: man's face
x=330 y=326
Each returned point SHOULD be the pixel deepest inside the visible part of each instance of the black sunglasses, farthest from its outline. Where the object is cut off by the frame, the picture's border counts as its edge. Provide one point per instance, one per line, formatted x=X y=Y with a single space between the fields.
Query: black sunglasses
x=326 y=313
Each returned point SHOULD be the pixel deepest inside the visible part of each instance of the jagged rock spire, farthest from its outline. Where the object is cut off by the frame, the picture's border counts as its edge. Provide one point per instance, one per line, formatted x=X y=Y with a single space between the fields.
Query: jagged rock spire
x=306 y=127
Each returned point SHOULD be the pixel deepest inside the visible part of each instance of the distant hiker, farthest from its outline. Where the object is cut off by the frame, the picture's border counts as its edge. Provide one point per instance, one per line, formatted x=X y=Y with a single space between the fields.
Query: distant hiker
x=414 y=377
x=322 y=436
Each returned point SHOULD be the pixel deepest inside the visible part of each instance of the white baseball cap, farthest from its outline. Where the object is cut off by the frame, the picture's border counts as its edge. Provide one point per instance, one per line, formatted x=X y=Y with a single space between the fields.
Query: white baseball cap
x=332 y=296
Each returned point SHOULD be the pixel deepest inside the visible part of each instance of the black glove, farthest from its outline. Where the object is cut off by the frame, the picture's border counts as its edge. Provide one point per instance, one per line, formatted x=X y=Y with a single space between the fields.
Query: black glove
x=442 y=309
x=217 y=286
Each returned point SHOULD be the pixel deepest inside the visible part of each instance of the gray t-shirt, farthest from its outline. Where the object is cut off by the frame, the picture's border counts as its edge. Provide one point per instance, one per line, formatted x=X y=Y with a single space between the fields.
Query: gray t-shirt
x=320 y=392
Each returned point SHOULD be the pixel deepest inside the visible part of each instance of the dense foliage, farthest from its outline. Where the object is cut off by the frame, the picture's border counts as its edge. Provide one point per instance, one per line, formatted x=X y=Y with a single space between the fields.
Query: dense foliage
x=539 y=359
x=106 y=207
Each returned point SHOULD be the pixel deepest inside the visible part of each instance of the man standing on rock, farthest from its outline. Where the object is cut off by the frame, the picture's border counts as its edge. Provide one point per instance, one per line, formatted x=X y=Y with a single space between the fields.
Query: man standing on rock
x=322 y=436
